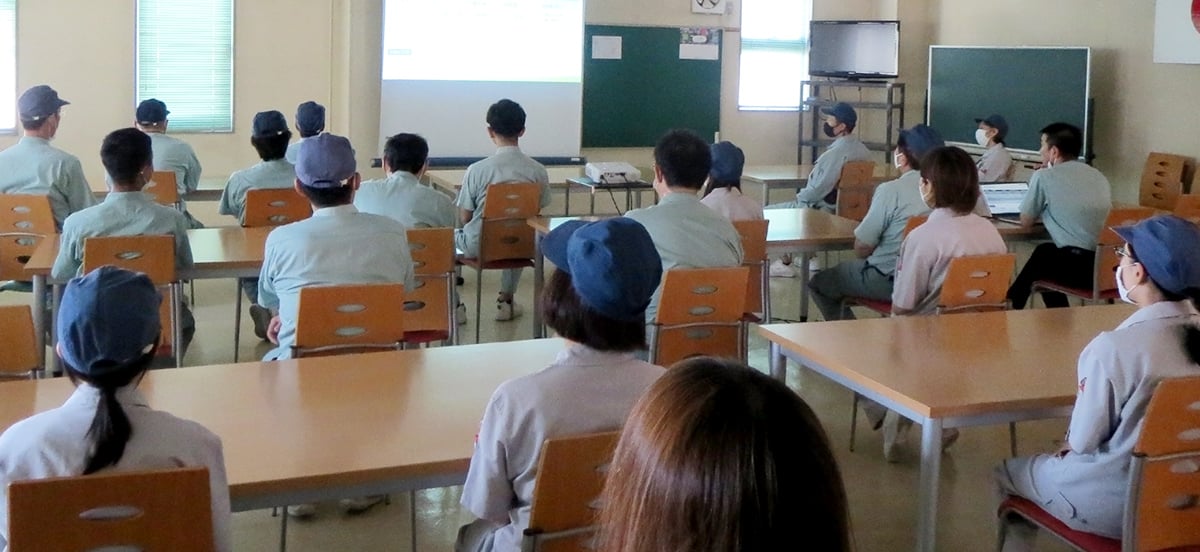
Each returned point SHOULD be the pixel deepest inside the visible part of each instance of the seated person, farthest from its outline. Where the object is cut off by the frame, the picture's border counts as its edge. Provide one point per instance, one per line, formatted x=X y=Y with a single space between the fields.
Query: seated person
x=506 y=126
x=718 y=457
x=877 y=238
x=170 y=153
x=685 y=232
x=596 y=299
x=1072 y=199
x=1084 y=484
x=996 y=164
x=310 y=121
x=126 y=211
x=724 y=185
x=108 y=330
x=401 y=196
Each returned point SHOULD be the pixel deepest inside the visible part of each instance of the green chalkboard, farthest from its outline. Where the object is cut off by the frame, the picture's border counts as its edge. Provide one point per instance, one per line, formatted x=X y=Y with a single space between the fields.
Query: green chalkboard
x=632 y=101
x=1030 y=87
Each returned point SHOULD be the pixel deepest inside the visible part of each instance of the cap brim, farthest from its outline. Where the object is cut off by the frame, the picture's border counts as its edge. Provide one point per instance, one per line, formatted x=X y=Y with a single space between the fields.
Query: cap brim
x=554 y=245
x=1127 y=233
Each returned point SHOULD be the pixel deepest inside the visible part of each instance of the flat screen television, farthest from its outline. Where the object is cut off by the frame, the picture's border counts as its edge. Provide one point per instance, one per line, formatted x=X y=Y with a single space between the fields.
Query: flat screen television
x=854 y=49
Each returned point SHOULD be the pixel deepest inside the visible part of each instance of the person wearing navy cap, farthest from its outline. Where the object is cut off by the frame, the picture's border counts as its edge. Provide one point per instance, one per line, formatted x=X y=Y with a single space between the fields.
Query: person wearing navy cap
x=1084 y=484
x=996 y=164
x=724 y=186
x=310 y=121
x=596 y=299
x=33 y=166
x=819 y=192
x=108 y=331
x=170 y=153
x=269 y=135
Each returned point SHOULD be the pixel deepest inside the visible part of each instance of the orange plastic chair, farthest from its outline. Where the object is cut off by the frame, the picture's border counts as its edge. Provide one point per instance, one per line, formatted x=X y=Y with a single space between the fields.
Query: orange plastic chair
x=754 y=257
x=1162 y=180
x=147 y=510
x=274 y=207
x=977 y=283
x=1104 y=280
x=17 y=340
x=163 y=189
x=344 y=319
x=883 y=307
x=429 y=309
x=855 y=188
x=24 y=220
x=155 y=257
x=1188 y=207
x=1164 y=481
x=571 y=473
x=506 y=241
x=700 y=313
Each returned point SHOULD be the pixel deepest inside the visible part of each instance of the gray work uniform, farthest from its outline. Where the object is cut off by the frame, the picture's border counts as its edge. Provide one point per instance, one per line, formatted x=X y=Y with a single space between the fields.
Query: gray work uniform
x=926 y=253
x=403 y=198
x=826 y=172
x=177 y=156
x=33 y=166
x=274 y=174
x=1073 y=200
x=995 y=165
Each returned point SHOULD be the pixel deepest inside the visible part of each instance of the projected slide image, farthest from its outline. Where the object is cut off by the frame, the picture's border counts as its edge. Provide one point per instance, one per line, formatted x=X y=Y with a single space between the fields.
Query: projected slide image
x=483 y=40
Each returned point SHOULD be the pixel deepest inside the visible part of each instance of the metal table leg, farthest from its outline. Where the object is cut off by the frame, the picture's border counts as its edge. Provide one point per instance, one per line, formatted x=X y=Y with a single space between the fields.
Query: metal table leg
x=39 y=321
x=931 y=460
x=539 y=280
x=804 y=274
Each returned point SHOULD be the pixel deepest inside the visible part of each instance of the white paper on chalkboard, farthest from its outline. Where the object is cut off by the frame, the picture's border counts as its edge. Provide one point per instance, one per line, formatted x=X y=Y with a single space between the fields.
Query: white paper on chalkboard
x=1176 y=39
x=606 y=47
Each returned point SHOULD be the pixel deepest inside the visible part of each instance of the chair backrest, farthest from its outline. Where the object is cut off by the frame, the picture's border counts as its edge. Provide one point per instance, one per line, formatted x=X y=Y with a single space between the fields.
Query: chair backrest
x=977 y=283
x=149 y=510
x=855 y=188
x=20 y=358
x=428 y=307
x=274 y=207
x=163 y=188
x=1104 y=276
x=1162 y=180
x=571 y=473
x=341 y=319
x=754 y=249
x=699 y=314
x=1162 y=511
x=153 y=255
x=505 y=234
x=24 y=220
x=1188 y=207
x=913 y=222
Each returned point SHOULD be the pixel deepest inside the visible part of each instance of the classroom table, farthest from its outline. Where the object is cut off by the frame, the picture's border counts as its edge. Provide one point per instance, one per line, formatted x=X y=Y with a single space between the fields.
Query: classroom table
x=795 y=176
x=209 y=189
x=561 y=178
x=324 y=428
x=953 y=370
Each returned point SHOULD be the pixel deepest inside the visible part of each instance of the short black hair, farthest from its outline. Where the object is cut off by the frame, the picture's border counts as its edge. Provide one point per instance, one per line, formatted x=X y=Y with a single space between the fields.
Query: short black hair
x=328 y=197
x=684 y=159
x=954 y=178
x=125 y=153
x=406 y=152
x=506 y=118
x=271 y=147
x=565 y=312
x=914 y=161
x=1066 y=137
x=34 y=124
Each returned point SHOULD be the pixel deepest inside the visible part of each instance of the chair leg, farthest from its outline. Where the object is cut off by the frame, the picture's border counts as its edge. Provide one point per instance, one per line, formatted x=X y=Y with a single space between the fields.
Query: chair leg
x=652 y=354
x=1012 y=439
x=176 y=331
x=237 y=318
x=478 y=302
x=283 y=516
x=853 y=421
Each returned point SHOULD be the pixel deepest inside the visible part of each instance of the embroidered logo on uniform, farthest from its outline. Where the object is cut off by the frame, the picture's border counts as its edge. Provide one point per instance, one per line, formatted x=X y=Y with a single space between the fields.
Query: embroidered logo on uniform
x=1082 y=384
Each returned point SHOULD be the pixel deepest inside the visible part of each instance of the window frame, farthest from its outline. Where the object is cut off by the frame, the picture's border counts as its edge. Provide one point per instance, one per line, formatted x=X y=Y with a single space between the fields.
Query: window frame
x=800 y=45
x=16 y=123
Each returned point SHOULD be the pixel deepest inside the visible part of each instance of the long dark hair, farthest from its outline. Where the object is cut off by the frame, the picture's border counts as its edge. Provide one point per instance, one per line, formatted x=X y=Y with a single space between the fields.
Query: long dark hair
x=110 y=430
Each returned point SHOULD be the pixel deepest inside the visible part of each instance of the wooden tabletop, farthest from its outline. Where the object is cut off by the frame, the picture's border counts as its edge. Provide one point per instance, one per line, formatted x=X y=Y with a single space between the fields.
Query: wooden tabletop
x=792 y=174
x=221 y=249
x=330 y=421
x=807 y=227
x=450 y=180
x=957 y=364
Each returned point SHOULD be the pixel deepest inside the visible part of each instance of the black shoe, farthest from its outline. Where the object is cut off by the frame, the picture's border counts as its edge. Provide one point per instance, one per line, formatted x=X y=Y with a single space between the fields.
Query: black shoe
x=458 y=280
x=262 y=318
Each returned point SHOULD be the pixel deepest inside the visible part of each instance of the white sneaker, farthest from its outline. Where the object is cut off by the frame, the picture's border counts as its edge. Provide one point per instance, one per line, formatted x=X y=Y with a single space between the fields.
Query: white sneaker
x=360 y=504
x=814 y=265
x=506 y=310
x=302 y=511
x=460 y=314
x=895 y=434
x=780 y=270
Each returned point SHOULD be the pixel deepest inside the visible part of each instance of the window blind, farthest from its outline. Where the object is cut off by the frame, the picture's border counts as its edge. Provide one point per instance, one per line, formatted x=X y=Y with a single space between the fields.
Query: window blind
x=185 y=59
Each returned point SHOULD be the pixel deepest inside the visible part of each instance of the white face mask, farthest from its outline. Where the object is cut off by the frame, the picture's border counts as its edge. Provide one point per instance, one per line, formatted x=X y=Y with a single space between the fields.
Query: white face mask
x=981 y=137
x=927 y=194
x=1121 y=290
x=896 y=159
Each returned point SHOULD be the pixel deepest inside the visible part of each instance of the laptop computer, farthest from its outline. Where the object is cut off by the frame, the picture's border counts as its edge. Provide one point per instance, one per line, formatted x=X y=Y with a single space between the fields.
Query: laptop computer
x=1004 y=198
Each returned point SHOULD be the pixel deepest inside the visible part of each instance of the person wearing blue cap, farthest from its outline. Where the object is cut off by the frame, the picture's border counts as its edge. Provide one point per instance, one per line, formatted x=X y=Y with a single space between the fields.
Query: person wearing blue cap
x=126 y=211
x=33 y=166
x=996 y=164
x=108 y=330
x=170 y=153
x=821 y=188
x=310 y=121
x=686 y=233
x=723 y=190
x=596 y=299
x=1072 y=199
x=1084 y=484
x=506 y=126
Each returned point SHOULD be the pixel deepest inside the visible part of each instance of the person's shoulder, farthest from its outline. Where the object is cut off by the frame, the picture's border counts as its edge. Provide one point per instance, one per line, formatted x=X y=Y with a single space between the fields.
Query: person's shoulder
x=381 y=224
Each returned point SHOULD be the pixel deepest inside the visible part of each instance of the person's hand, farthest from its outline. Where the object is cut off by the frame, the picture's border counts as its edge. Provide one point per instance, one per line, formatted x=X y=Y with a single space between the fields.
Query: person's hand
x=273 y=329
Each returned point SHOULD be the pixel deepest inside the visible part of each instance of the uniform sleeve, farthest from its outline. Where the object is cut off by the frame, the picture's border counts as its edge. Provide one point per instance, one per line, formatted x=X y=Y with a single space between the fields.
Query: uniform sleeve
x=191 y=179
x=467 y=193
x=227 y=207
x=994 y=165
x=823 y=178
x=544 y=180
x=183 y=247
x=488 y=492
x=443 y=214
x=870 y=230
x=73 y=188
x=981 y=207
x=222 y=515
x=912 y=274
x=70 y=254
x=410 y=278
x=1034 y=201
x=267 y=296
x=1097 y=405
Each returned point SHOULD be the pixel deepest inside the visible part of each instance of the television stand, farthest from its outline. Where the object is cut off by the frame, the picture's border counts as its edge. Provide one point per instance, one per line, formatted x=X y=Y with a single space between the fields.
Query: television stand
x=879 y=95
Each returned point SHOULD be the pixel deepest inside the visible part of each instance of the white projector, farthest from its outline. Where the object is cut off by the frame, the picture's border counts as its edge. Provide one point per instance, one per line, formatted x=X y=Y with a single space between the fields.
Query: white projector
x=612 y=173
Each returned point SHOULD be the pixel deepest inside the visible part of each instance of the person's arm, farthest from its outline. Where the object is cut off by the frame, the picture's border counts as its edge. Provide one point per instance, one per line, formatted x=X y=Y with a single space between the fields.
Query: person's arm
x=823 y=178
x=1034 y=202
x=869 y=232
x=183 y=248
x=862 y=249
x=191 y=180
x=544 y=198
x=227 y=206
x=488 y=492
x=72 y=187
x=1097 y=408
x=466 y=198
x=912 y=277
x=267 y=296
x=222 y=517
x=70 y=255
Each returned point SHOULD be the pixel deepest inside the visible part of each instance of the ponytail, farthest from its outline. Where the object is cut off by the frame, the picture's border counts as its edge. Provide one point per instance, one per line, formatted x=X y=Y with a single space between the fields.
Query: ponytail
x=1191 y=332
x=110 y=430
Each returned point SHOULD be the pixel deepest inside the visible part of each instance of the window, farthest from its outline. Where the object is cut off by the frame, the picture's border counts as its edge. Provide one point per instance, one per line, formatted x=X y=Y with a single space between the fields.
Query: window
x=185 y=59
x=8 y=65
x=774 y=54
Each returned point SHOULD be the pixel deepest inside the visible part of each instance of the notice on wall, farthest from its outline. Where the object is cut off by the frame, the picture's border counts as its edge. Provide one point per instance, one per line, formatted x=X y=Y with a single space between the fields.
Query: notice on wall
x=700 y=43
x=606 y=47
x=1177 y=31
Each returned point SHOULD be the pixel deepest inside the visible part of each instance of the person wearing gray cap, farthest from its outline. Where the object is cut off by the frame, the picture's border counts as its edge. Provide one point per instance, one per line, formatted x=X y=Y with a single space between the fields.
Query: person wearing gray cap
x=820 y=191
x=723 y=190
x=1085 y=483
x=310 y=121
x=33 y=166
x=108 y=331
x=170 y=153
x=996 y=164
